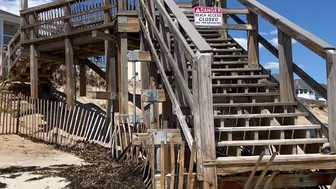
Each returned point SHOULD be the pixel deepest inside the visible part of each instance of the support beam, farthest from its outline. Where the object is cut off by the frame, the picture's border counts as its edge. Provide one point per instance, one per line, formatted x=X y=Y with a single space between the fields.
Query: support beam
x=23 y=20
x=252 y=43
x=70 y=73
x=33 y=62
x=331 y=79
x=2 y=62
x=123 y=74
x=286 y=67
x=104 y=36
x=82 y=79
x=144 y=69
x=203 y=112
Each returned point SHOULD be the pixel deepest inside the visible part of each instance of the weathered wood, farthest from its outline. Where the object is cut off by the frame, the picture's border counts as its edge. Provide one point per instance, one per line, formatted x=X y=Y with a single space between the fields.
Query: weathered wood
x=252 y=43
x=128 y=24
x=104 y=36
x=331 y=81
x=161 y=96
x=273 y=142
x=82 y=79
x=191 y=165
x=247 y=27
x=181 y=166
x=70 y=77
x=139 y=56
x=2 y=62
x=122 y=74
x=162 y=164
x=249 y=180
x=286 y=68
x=267 y=128
x=264 y=171
x=309 y=40
x=33 y=62
x=172 y=165
x=204 y=129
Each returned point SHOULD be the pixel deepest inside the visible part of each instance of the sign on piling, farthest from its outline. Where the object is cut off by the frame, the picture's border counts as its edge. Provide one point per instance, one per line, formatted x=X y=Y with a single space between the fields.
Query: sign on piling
x=208 y=16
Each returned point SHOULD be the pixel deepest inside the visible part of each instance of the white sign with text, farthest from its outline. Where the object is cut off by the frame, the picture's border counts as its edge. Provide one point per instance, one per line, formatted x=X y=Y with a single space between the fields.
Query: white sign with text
x=208 y=16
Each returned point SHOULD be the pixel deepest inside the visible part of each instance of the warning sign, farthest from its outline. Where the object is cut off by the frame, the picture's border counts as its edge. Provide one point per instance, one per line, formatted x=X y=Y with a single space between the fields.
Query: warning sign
x=208 y=16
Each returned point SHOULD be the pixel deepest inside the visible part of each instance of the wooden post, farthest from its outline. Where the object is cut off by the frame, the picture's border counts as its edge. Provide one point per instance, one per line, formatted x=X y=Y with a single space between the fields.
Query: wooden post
x=70 y=80
x=202 y=2
x=203 y=119
x=252 y=43
x=123 y=74
x=224 y=33
x=23 y=21
x=286 y=67
x=2 y=62
x=82 y=78
x=331 y=78
x=33 y=61
x=144 y=68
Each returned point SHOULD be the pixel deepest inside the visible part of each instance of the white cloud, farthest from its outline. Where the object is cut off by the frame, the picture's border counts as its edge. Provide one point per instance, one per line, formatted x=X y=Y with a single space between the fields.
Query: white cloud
x=271 y=65
x=273 y=32
x=301 y=65
x=242 y=42
x=13 y=6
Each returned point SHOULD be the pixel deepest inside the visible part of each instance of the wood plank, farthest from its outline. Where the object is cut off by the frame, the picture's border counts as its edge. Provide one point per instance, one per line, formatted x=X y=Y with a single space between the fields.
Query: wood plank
x=258 y=104
x=161 y=96
x=128 y=24
x=197 y=39
x=241 y=77
x=251 y=116
x=286 y=68
x=139 y=56
x=104 y=36
x=181 y=166
x=122 y=74
x=331 y=81
x=309 y=40
x=217 y=95
x=33 y=62
x=267 y=128
x=273 y=142
x=252 y=43
x=2 y=62
x=245 y=85
x=70 y=77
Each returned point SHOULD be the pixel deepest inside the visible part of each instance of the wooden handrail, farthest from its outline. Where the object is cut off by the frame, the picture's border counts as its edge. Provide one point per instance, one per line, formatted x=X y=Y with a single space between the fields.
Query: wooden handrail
x=46 y=6
x=304 y=37
x=187 y=26
x=297 y=70
x=175 y=31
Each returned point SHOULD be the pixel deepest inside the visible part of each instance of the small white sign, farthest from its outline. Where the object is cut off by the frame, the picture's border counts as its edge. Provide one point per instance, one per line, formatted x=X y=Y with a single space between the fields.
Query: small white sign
x=208 y=16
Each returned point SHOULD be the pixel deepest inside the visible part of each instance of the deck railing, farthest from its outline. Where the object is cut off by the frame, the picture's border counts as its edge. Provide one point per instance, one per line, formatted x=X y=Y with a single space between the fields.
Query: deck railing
x=65 y=18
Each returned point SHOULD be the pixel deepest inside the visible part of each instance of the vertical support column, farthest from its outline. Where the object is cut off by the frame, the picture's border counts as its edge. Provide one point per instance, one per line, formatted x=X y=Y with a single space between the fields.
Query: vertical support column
x=23 y=21
x=82 y=78
x=285 y=67
x=224 y=33
x=2 y=62
x=203 y=119
x=70 y=79
x=1 y=32
x=123 y=74
x=202 y=2
x=33 y=61
x=144 y=68
x=331 y=79
x=252 y=43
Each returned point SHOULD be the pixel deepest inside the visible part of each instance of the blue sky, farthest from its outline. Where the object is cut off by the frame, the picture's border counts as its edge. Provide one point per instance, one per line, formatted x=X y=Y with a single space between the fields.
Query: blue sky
x=315 y=16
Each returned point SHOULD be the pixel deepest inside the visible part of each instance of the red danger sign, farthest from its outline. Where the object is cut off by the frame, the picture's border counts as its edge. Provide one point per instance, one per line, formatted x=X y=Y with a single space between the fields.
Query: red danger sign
x=208 y=16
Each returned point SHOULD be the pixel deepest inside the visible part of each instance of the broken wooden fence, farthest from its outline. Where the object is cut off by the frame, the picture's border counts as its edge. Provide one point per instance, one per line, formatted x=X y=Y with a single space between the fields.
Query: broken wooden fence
x=8 y=112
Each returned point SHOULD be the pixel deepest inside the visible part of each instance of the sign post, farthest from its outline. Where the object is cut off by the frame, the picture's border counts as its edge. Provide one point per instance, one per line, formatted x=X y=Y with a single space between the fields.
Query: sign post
x=208 y=16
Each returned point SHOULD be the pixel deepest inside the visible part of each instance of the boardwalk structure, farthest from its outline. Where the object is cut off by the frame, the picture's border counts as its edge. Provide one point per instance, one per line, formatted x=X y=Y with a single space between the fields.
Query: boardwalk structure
x=226 y=106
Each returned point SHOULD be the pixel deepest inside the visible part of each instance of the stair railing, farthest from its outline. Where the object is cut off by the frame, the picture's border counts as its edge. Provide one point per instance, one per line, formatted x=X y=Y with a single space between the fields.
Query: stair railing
x=173 y=21
x=13 y=51
x=287 y=31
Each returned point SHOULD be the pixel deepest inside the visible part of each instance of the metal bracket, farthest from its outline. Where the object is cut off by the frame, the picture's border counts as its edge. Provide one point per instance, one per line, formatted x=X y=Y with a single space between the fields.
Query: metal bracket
x=159 y=136
x=152 y=95
x=133 y=56
x=114 y=96
x=122 y=19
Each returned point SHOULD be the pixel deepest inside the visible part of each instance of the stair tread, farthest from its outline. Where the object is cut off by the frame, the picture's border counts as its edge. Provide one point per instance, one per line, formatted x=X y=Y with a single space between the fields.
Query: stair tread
x=232 y=69
x=273 y=142
x=231 y=56
x=245 y=85
x=245 y=94
x=217 y=105
x=240 y=77
x=229 y=62
x=223 y=50
x=214 y=39
x=217 y=45
x=267 y=128
x=271 y=115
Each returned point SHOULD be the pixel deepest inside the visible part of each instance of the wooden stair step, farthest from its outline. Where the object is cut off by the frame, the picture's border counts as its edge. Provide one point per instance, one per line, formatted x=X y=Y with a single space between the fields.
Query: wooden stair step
x=259 y=104
x=217 y=45
x=214 y=40
x=220 y=63
x=245 y=85
x=231 y=56
x=250 y=116
x=232 y=69
x=273 y=142
x=267 y=128
x=217 y=95
x=241 y=77
x=223 y=50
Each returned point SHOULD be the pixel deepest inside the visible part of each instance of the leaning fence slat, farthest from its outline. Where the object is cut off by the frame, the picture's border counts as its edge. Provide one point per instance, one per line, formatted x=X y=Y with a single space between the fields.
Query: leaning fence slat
x=181 y=168
x=88 y=123
x=26 y=115
x=102 y=130
x=4 y=110
x=67 y=122
x=71 y=126
x=85 y=120
x=107 y=134
x=18 y=114
x=98 y=128
x=59 y=124
x=124 y=131
x=172 y=165
x=120 y=138
x=93 y=127
x=10 y=116
x=191 y=164
x=39 y=105
x=54 y=129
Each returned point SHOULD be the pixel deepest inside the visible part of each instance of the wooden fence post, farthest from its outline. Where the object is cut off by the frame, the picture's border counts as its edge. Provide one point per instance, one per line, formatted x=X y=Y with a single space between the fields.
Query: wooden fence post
x=331 y=79
x=203 y=119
